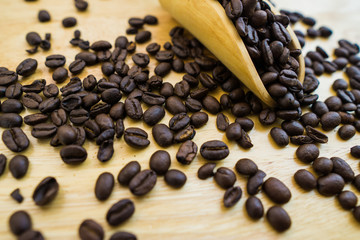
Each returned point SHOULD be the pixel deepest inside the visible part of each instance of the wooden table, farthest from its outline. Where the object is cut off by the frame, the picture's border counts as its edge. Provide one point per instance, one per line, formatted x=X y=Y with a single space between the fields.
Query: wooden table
x=196 y=210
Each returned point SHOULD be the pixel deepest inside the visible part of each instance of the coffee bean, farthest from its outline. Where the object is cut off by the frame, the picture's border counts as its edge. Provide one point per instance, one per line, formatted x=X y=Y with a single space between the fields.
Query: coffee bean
x=88 y=57
x=59 y=117
x=162 y=135
x=199 y=119
x=55 y=61
x=222 y=121
x=323 y=166
x=10 y=120
x=152 y=98
x=310 y=119
x=69 y=22
x=153 y=115
x=3 y=161
x=160 y=162
x=98 y=108
x=233 y=131
x=246 y=166
x=14 y=91
x=73 y=154
x=33 y=38
x=278 y=218
x=206 y=171
x=316 y=135
x=174 y=105
x=179 y=121
x=20 y=222
x=120 y=212
x=342 y=168
x=305 y=179
x=279 y=136
x=254 y=207
x=133 y=108
x=15 y=139
x=51 y=90
x=123 y=236
x=292 y=127
x=330 y=120
x=143 y=36
x=11 y=106
x=225 y=177
x=199 y=93
x=355 y=151
x=104 y=186
x=81 y=5
x=46 y=191
x=347 y=200
x=128 y=172
x=307 y=153
x=143 y=182
x=232 y=196
x=267 y=117
x=193 y=105
x=346 y=132
x=89 y=229
x=31 y=234
x=77 y=66
x=18 y=166
x=276 y=190
x=164 y=56
x=67 y=134
x=136 y=137
x=211 y=104
x=43 y=130
x=153 y=48
x=44 y=16
x=255 y=182
x=175 y=178
x=16 y=195
x=330 y=184
x=245 y=140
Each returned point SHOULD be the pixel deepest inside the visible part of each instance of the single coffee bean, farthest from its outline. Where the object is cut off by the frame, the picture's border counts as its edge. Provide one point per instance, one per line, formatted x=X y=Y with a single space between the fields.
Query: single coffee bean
x=12 y=106
x=167 y=90
x=323 y=166
x=305 y=179
x=59 y=117
x=15 y=139
x=69 y=22
x=152 y=98
x=46 y=191
x=175 y=178
x=330 y=120
x=44 y=130
x=81 y=5
x=143 y=182
x=35 y=118
x=342 y=168
x=136 y=137
x=279 y=136
x=136 y=22
x=211 y=104
x=233 y=131
x=89 y=229
x=120 y=212
x=8 y=78
x=162 y=135
x=346 y=131
x=153 y=48
x=278 y=218
x=199 y=119
x=77 y=66
x=143 y=36
x=225 y=177
x=51 y=90
x=164 y=56
x=150 y=20
x=153 y=115
x=44 y=16
x=267 y=117
x=307 y=153
x=187 y=152
x=20 y=222
x=36 y=86
x=123 y=236
x=355 y=151
x=246 y=166
x=347 y=200
x=16 y=195
x=78 y=116
x=128 y=172
x=73 y=154
x=10 y=120
x=3 y=161
x=254 y=207
x=60 y=74
x=178 y=65
x=193 y=105
x=133 y=108
x=206 y=171
x=232 y=196
x=292 y=128
x=67 y=134
x=55 y=61
x=174 y=105
x=88 y=57
x=316 y=135
x=214 y=150
x=330 y=184
x=104 y=186
x=185 y=134
x=18 y=166
x=14 y=91
x=222 y=121
x=33 y=38
x=160 y=162
x=276 y=190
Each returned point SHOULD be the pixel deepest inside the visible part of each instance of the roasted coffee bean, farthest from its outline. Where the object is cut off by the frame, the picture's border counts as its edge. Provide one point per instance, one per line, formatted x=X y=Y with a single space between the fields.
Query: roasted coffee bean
x=255 y=182
x=175 y=178
x=120 y=212
x=206 y=171
x=73 y=154
x=133 y=108
x=347 y=200
x=104 y=186
x=92 y=129
x=276 y=190
x=199 y=93
x=185 y=134
x=193 y=105
x=355 y=151
x=10 y=120
x=152 y=98
x=278 y=218
x=104 y=122
x=141 y=59
x=346 y=132
x=211 y=104
x=246 y=166
x=90 y=100
x=143 y=36
x=81 y=136
x=51 y=90
x=187 y=152
x=153 y=48
x=301 y=139
x=35 y=118
x=192 y=81
x=254 y=207
x=33 y=38
x=123 y=236
x=245 y=140
x=88 y=57
x=292 y=127
x=60 y=74
x=55 y=61
x=233 y=131
x=305 y=179
x=89 y=229
x=330 y=120
x=154 y=82
x=69 y=22
x=225 y=177
x=136 y=22
x=117 y=111
x=8 y=78
x=162 y=69
x=333 y=103
x=18 y=166
x=246 y=123
x=222 y=122
x=99 y=108
x=199 y=119
x=11 y=106
x=241 y=109
x=164 y=56
x=15 y=139
x=14 y=91
x=59 y=117
x=182 y=89
x=66 y=134
x=119 y=128
x=77 y=66
x=153 y=115
x=16 y=195
x=342 y=168
x=179 y=121
x=105 y=135
x=160 y=162
x=192 y=68
x=143 y=182
x=178 y=65
x=232 y=196
x=128 y=172
x=20 y=222
x=162 y=135
x=71 y=102
x=267 y=117
x=316 y=135
x=307 y=153
x=31 y=234
x=279 y=136
x=44 y=130
x=81 y=5
x=167 y=89
x=174 y=105
x=207 y=81
x=323 y=166
x=46 y=191
x=107 y=68
x=3 y=161
x=136 y=137
x=330 y=184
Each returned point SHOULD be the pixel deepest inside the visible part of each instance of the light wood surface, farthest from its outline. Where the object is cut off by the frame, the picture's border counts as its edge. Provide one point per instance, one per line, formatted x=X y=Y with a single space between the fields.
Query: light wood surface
x=195 y=211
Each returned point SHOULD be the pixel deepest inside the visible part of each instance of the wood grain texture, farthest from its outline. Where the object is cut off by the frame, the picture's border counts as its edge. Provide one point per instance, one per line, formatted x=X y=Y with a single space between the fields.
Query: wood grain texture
x=195 y=211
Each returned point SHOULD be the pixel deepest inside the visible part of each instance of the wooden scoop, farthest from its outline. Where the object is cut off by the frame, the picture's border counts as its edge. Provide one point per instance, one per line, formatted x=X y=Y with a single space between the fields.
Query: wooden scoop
x=207 y=21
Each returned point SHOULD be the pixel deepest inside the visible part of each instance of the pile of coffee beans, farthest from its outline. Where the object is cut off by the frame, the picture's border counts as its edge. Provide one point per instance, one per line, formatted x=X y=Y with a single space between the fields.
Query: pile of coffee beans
x=93 y=109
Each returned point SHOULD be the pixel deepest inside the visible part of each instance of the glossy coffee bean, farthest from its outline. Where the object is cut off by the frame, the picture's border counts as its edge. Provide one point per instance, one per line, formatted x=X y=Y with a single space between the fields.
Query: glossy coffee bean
x=120 y=212
x=246 y=166
x=15 y=139
x=20 y=222
x=160 y=162
x=175 y=178
x=232 y=196
x=128 y=172
x=214 y=150
x=278 y=218
x=279 y=136
x=276 y=190
x=27 y=67
x=10 y=120
x=199 y=119
x=254 y=207
x=225 y=177
x=307 y=153
x=330 y=185
x=341 y=167
x=143 y=182
x=104 y=186
x=305 y=179
x=73 y=154
x=46 y=191
x=123 y=236
x=206 y=171
x=153 y=115
x=91 y=230
x=347 y=200
x=18 y=166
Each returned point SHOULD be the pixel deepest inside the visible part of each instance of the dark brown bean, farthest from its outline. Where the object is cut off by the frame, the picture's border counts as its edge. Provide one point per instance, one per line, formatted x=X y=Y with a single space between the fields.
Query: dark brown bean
x=46 y=191
x=330 y=184
x=175 y=178
x=305 y=179
x=18 y=166
x=232 y=196
x=120 y=212
x=143 y=182
x=225 y=177
x=276 y=190
x=20 y=222
x=278 y=218
x=89 y=229
x=104 y=186
x=254 y=207
x=246 y=166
